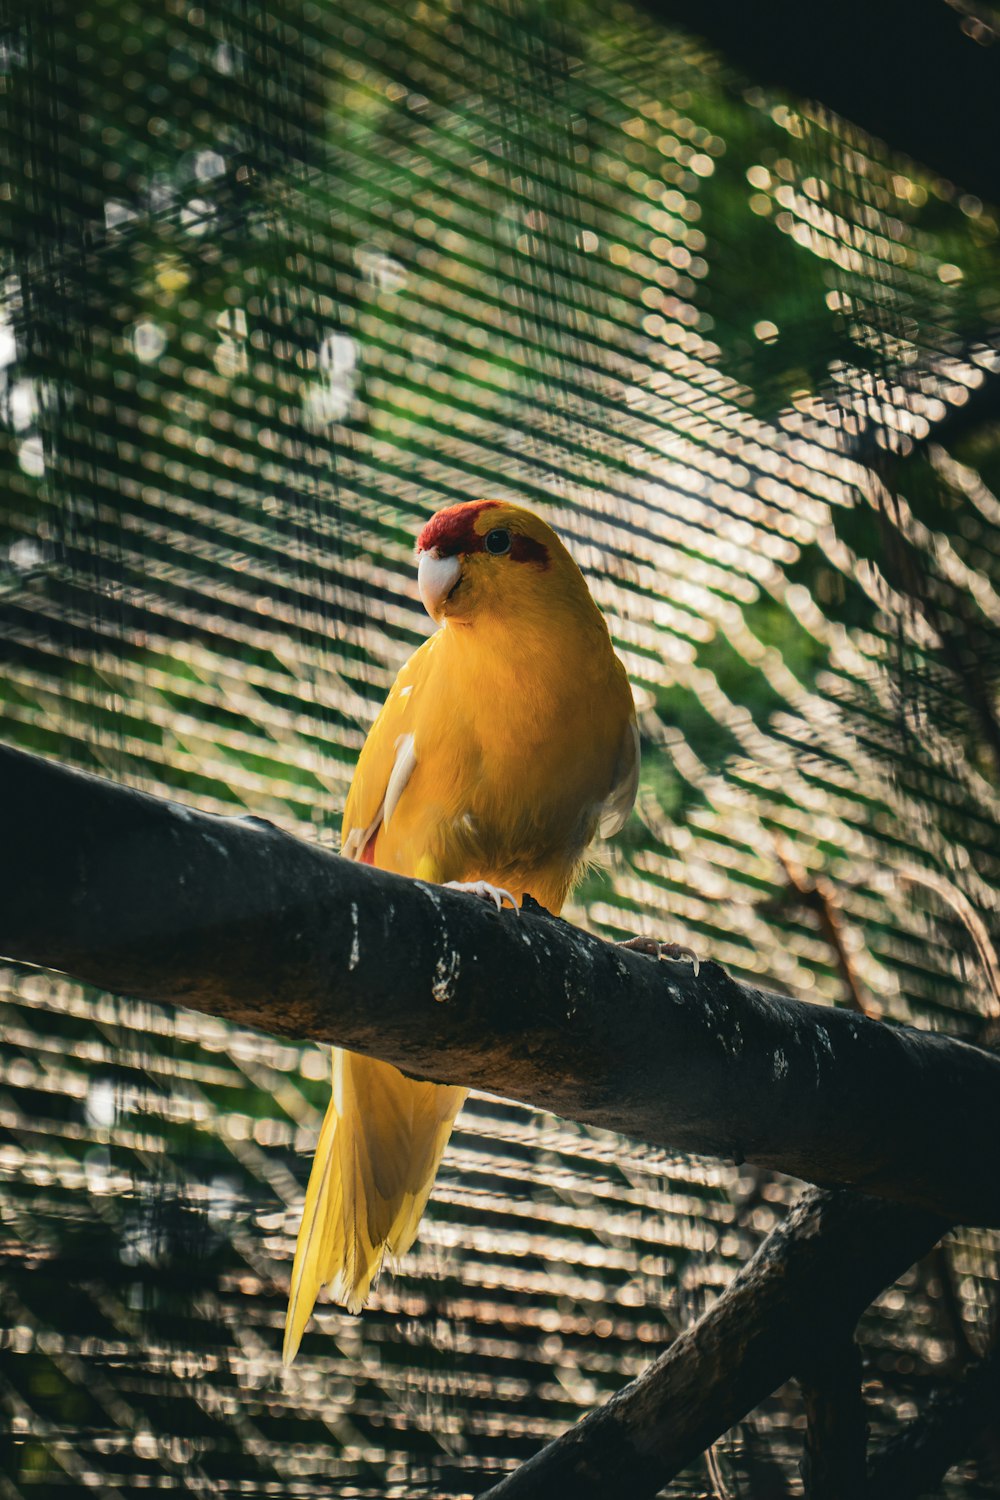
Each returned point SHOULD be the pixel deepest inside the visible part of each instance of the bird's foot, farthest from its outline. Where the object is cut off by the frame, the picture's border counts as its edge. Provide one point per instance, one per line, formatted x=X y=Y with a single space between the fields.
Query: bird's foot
x=655 y=949
x=483 y=890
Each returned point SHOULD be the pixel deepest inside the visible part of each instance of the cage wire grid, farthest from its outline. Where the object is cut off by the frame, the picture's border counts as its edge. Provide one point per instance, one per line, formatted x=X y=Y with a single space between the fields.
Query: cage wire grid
x=279 y=280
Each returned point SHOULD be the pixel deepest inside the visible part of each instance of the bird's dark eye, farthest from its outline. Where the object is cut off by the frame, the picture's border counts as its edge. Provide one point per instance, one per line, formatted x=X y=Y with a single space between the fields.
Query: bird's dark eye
x=498 y=541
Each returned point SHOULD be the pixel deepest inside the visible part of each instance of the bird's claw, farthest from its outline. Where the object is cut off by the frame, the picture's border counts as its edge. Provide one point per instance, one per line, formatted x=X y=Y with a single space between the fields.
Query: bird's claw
x=483 y=890
x=675 y=952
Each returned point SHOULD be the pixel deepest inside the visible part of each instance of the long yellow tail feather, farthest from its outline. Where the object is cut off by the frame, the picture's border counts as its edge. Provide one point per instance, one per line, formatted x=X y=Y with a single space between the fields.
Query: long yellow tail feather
x=376 y=1159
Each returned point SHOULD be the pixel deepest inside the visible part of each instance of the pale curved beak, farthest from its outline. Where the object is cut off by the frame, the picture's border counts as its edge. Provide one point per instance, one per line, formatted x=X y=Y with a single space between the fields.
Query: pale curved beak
x=436 y=577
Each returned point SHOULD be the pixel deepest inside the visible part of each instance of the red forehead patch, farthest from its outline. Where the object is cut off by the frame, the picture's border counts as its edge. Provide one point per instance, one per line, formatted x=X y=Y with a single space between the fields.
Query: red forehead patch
x=454 y=530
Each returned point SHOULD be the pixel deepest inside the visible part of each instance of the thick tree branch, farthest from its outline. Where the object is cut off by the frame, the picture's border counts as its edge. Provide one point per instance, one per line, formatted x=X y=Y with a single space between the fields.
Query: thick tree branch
x=808 y=1283
x=232 y=917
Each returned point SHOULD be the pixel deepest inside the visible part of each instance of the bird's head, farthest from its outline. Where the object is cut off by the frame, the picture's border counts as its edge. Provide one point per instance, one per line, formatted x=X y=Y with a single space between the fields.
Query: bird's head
x=488 y=557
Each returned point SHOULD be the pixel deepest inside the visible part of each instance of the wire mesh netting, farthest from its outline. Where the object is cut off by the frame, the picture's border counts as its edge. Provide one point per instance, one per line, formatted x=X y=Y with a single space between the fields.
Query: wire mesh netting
x=279 y=280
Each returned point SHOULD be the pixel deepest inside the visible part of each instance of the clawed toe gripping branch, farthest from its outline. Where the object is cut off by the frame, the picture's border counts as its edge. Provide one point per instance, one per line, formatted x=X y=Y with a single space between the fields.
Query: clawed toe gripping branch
x=239 y=920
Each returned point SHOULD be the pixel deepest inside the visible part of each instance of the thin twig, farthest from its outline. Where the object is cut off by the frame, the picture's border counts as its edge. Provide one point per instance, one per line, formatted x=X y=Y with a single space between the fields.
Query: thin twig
x=974 y=925
x=817 y=895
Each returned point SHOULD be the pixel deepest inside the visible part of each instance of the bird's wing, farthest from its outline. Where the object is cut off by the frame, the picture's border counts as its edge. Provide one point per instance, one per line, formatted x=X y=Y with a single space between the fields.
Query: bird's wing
x=619 y=801
x=385 y=764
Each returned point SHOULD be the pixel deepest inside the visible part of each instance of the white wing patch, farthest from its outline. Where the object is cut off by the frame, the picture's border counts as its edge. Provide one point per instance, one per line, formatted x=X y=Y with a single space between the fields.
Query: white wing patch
x=402 y=770
x=619 y=801
x=356 y=841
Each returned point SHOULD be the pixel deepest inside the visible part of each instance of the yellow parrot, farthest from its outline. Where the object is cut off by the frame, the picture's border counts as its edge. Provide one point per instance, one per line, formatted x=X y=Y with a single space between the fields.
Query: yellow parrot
x=507 y=742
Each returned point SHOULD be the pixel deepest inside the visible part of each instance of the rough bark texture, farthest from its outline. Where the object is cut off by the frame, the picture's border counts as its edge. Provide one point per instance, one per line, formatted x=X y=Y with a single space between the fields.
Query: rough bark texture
x=232 y=917
x=807 y=1284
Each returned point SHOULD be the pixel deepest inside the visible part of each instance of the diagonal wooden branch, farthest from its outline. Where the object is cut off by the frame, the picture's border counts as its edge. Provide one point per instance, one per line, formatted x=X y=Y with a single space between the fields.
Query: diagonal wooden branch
x=233 y=917
x=803 y=1290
